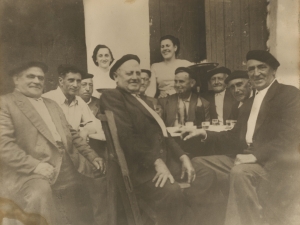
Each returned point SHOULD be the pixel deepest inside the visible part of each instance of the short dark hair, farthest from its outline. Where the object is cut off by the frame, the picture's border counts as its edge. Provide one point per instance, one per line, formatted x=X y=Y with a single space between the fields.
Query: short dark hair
x=63 y=69
x=94 y=56
x=174 y=40
x=27 y=65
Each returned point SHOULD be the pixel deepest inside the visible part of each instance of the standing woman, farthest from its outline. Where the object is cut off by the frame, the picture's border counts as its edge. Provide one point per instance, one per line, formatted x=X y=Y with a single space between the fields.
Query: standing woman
x=163 y=73
x=103 y=58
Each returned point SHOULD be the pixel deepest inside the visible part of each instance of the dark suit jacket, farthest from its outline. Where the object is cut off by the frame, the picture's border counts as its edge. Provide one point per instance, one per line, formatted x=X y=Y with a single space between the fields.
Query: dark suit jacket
x=25 y=141
x=140 y=135
x=94 y=105
x=195 y=114
x=277 y=130
x=229 y=100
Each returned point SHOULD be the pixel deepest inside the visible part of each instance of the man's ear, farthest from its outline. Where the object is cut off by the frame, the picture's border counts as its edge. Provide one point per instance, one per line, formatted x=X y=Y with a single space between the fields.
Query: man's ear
x=115 y=76
x=60 y=81
x=193 y=82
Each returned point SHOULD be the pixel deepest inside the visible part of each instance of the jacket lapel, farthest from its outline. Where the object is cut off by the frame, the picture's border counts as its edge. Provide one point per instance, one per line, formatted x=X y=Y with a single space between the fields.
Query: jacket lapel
x=172 y=109
x=192 y=108
x=265 y=106
x=53 y=111
x=29 y=111
x=228 y=101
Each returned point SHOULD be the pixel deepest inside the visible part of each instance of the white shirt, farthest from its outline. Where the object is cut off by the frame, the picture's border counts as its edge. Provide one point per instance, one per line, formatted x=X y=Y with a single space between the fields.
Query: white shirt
x=219 y=102
x=258 y=99
x=43 y=111
x=182 y=104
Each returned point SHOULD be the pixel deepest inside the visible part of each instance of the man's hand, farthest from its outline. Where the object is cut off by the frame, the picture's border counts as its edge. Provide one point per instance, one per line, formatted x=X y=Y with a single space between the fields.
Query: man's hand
x=99 y=163
x=241 y=159
x=187 y=168
x=162 y=173
x=44 y=169
x=163 y=95
x=190 y=132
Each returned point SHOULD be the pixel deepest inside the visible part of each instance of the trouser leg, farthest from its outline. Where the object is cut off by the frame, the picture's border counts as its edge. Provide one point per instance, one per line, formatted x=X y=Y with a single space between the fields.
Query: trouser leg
x=37 y=198
x=208 y=193
x=243 y=204
x=170 y=204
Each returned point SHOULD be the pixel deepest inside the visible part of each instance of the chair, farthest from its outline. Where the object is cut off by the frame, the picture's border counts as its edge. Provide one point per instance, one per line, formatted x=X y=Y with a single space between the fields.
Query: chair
x=118 y=178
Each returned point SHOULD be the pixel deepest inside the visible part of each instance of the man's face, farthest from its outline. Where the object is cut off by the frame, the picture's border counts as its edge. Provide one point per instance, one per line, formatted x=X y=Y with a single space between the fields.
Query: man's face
x=240 y=88
x=145 y=82
x=70 y=84
x=217 y=82
x=30 y=82
x=86 y=89
x=103 y=58
x=260 y=74
x=183 y=84
x=128 y=76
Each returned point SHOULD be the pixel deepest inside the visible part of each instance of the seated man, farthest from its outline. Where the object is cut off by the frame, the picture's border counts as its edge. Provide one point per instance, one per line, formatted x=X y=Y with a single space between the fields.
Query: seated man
x=184 y=106
x=147 y=146
x=75 y=109
x=86 y=91
x=220 y=98
x=261 y=148
x=41 y=154
x=240 y=88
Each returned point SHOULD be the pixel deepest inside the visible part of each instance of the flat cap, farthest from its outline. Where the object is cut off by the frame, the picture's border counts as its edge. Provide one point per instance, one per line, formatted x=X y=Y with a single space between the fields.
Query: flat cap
x=263 y=56
x=28 y=65
x=187 y=70
x=119 y=63
x=237 y=74
x=87 y=76
x=217 y=70
x=63 y=69
x=146 y=71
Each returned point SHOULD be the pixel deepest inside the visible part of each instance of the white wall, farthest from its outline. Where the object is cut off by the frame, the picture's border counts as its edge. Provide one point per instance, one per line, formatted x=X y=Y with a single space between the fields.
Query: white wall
x=122 y=25
x=284 y=40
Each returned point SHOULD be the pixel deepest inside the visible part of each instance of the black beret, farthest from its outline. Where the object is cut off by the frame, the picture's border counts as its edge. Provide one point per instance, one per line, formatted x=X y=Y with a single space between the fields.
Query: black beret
x=237 y=74
x=28 y=65
x=63 y=69
x=187 y=70
x=87 y=76
x=119 y=63
x=146 y=71
x=217 y=70
x=263 y=56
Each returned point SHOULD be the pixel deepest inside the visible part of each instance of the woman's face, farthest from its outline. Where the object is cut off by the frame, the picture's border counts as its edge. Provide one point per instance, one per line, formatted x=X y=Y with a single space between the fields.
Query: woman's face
x=103 y=58
x=167 y=49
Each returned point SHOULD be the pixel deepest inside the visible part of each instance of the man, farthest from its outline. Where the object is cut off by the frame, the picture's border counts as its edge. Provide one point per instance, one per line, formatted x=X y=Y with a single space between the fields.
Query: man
x=81 y=118
x=220 y=98
x=86 y=91
x=184 y=106
x=262 y=151
x=75 y=109
x=240 y=88
x=41 y=154
x=147 y=145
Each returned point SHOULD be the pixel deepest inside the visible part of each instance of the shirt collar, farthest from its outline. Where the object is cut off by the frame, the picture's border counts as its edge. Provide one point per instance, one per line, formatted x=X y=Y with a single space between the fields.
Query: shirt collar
x=220 y=93
x=186 y=100
x=63 y=99
x=89 y=101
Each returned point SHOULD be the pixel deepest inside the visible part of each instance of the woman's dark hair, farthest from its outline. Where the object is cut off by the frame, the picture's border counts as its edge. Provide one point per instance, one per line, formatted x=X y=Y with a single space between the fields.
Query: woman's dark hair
x=174 y=40
x=96 y=51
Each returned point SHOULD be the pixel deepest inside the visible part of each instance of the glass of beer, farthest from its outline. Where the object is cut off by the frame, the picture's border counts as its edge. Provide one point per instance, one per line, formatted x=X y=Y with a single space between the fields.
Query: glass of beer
x=205 y=125
x=215 y=122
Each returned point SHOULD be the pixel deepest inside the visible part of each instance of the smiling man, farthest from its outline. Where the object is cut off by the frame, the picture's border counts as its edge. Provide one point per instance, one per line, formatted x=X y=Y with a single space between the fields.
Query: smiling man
x=261 y=151
x=147 y=145
x=40 y=152
x=220 y=98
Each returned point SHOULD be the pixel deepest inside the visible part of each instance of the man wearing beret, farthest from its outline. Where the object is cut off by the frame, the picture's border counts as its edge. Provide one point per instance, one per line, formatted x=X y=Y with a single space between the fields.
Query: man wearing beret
x=262 y=150
x=147 y=145
x=241 y=89
x=41 y=155
x=220 y=98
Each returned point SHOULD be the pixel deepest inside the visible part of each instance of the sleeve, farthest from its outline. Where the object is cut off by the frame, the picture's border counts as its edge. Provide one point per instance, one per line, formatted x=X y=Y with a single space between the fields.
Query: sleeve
x=132 y=142
x=11 y=153
x=151 y=90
